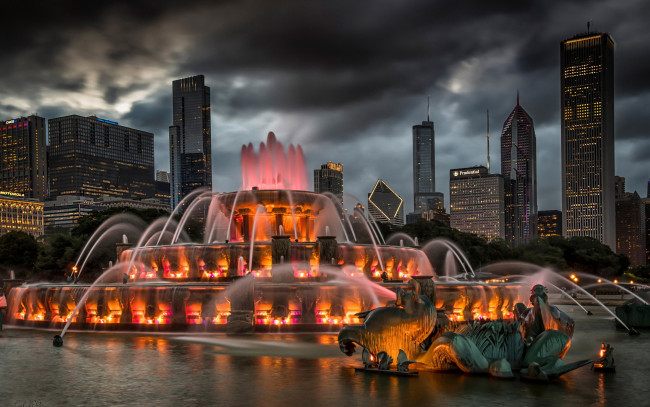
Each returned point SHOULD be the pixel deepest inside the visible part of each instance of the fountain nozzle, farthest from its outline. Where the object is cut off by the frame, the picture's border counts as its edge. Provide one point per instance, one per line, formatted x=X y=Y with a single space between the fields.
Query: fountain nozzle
x=58 y=341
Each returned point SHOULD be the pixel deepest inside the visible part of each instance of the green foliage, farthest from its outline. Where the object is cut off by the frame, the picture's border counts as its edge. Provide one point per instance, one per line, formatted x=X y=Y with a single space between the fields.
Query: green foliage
x=18 y=251
x=583 y=254
x=640 y=274
x=59 y=251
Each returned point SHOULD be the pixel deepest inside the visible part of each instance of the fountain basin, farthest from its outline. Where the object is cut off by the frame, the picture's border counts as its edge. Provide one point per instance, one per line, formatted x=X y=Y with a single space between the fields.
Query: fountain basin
x=207 y=307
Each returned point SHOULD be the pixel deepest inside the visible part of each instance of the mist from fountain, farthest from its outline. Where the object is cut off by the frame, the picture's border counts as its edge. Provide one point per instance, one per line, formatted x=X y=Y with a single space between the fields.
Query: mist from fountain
x=450 y=246
x=566 y=294
x=119 y=228
x=180 y=206
x=190 y=209
x=83 y=299
x=545 y=274
x=400 y=236
x=293 y=214
x=260 y=209
x=374 y=244
x=118 y=219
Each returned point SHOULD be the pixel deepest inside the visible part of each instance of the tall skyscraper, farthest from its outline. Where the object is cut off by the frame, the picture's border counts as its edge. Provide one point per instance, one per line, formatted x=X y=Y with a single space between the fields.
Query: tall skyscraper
x=23 y=167
x=329 y=179
x=476 y=202
x=587 y=111
x=425 y=197
x=385 y=205
x=519 y=170
x=190 y=138
x=93 y=157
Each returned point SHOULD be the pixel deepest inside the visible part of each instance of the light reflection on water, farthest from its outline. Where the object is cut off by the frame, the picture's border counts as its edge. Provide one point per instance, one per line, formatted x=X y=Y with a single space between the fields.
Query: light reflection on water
x=114 y=369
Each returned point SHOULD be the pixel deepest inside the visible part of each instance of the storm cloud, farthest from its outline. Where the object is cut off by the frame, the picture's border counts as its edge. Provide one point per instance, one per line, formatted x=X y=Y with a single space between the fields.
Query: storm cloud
x=346 y=80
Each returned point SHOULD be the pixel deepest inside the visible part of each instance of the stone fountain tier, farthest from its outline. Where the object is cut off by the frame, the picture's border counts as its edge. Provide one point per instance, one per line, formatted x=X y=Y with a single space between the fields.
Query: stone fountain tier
x=308 y=260
x=246 y=306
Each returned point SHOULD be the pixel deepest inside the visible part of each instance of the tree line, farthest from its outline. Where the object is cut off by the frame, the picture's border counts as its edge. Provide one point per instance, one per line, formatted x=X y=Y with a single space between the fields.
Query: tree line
x=51 y=258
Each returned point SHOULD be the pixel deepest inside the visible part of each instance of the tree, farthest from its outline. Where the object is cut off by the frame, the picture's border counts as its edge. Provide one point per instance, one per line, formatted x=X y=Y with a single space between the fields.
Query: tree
x=18 y=252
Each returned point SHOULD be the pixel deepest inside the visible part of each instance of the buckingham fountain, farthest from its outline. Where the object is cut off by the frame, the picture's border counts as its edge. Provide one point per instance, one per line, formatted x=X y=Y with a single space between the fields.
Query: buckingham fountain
x=274 y=257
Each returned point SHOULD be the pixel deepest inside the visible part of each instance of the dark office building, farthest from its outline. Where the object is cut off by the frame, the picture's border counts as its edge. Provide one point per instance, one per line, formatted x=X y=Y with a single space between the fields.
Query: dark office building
x=23 y=166
x=93 y=157
x=631 y=228
x=190 y=138
x=519 y=170
x=646 y=202
x=425 y=197
x=587 y=116
x=329 y=179
x=549 y=223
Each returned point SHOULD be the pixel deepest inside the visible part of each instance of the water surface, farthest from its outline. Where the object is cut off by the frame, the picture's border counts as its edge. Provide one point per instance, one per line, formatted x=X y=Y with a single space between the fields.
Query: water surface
x=288 y=370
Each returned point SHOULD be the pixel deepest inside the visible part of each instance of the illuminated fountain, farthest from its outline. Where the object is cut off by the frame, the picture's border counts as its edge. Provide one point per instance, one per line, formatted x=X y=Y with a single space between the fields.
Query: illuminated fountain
x=273 y=257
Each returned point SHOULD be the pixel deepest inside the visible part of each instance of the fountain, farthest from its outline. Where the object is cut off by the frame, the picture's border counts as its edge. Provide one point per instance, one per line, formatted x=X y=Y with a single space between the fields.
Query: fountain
x=273 y=258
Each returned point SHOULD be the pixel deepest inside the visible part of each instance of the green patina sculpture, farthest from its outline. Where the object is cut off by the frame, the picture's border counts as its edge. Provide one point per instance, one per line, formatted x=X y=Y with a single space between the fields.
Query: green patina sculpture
x=534 y=343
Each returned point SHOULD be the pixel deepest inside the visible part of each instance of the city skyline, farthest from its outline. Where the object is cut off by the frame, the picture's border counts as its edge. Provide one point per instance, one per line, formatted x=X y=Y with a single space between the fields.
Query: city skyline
x=336 y=92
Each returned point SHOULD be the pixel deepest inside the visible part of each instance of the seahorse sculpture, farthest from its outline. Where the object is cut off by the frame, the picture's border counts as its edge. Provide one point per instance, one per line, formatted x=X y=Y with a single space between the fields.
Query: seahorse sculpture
x=535 y=343
x=403 y=326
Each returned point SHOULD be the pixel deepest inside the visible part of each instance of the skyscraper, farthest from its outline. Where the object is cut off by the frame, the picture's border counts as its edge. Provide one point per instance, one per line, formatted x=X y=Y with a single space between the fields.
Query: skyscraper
x=519 y=170
x=23 y=168
x=93 y=157
x=425 y=197
x=587 y=115
x=329 y=179
x=476 y=202
x=385 y=205
x=190 y=138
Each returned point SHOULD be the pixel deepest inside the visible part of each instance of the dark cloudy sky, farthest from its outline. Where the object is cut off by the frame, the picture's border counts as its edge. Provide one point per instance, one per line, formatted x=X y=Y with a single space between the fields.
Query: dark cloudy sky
x=345 y=79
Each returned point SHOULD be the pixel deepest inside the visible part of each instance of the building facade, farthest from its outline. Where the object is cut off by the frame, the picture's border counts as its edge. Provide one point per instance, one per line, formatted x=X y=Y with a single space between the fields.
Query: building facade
x=94 y=157
x=23 y=165
x=425 y=197
x=190 y=138
x=519 y=170
x=476 y=202
x=385 y=205
x=630 y=224
x=549 y=223
x=64 y=211
x=329 y=179
x=587 y=116
x=20 y=214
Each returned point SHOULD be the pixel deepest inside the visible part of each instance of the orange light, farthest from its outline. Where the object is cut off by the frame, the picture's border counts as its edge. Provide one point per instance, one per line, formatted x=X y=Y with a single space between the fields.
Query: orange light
x=602 y=353
x=631 y=282
x=615 y=281
x=573 y=276
x=600 y=281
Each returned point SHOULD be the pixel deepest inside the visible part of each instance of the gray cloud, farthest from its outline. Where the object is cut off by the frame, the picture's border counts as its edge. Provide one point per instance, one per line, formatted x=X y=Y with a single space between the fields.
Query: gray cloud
x=345 y=79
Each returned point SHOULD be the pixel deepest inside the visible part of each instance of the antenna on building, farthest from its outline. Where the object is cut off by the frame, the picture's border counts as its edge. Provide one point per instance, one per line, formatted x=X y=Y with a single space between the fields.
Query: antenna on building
x=428 y=108
x=588 y=26
x=517 y=97
x=488 y=139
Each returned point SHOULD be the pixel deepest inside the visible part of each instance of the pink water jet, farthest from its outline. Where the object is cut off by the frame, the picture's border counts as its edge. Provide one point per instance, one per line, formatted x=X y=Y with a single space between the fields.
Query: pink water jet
x=272 y=168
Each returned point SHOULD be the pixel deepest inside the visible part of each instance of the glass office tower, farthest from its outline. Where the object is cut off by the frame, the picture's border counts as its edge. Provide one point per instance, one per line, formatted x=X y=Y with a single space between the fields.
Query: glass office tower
x=190 y=138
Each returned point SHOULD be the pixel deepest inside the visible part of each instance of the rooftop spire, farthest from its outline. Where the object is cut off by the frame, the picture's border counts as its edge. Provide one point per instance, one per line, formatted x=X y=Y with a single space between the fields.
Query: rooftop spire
x=517 y=97
x=488 y=140
x=428 y=108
